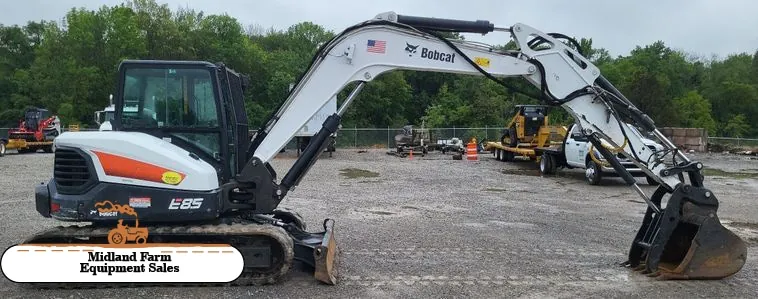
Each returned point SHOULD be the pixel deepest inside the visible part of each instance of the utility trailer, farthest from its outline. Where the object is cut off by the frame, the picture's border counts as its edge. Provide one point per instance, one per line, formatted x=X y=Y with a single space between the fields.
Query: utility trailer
x=307 y=131
x=529 y=128
x=548 y=137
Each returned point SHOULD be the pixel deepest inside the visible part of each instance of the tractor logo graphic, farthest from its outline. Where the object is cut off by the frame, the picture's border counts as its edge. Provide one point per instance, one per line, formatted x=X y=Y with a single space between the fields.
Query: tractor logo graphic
x=410 y=48
x=123 y=233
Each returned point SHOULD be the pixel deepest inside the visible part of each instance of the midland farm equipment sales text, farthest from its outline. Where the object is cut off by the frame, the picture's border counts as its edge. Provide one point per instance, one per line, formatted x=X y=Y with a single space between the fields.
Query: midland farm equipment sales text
x=133 y=257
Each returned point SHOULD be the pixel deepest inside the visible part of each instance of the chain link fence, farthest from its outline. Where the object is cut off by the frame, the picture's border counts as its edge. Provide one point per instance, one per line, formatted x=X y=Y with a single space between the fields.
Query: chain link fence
x=385 y=137
x=734 y=142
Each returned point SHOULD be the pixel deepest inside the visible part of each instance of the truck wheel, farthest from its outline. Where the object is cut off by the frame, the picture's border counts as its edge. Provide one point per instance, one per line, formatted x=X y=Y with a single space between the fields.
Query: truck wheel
x=498 y=154
x=2 y=148
x=507 y=156
x=547 y=165
x=592 y=172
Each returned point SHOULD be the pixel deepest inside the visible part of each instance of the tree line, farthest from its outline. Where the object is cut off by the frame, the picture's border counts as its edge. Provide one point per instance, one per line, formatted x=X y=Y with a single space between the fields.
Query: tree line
x=70 y=67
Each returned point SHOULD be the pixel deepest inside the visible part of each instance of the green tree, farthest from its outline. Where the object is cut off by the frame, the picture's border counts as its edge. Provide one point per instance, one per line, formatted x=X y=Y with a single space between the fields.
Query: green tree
x=737 y=126
x=381 y=103
x=695 y=111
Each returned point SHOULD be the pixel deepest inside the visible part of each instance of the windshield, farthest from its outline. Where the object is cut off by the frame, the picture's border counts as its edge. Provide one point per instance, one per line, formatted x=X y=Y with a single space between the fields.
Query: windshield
x=169 y=99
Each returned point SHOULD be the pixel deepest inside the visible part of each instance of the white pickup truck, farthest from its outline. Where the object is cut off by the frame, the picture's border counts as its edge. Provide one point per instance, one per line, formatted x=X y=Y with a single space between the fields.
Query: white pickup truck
x=574 y=153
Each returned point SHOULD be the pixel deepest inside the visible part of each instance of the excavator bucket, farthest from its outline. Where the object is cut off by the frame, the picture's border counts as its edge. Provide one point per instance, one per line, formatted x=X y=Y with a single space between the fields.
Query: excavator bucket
x=686 y=239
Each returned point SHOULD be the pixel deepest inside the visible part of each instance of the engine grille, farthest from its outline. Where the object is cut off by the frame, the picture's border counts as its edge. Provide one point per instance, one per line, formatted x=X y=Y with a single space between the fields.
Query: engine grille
x=72 y=172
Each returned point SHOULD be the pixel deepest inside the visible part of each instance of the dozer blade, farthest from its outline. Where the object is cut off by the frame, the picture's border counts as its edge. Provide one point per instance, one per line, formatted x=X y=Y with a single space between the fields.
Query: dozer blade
x=686 y=240
x=326 y=257
x=319 y=251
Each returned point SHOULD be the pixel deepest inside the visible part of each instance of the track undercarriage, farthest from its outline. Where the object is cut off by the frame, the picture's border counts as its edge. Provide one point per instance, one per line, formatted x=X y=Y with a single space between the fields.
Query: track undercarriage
x=270 y=246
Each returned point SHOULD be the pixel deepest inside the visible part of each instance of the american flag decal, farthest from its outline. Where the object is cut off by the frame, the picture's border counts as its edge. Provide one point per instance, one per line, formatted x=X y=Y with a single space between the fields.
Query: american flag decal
x=376 y=46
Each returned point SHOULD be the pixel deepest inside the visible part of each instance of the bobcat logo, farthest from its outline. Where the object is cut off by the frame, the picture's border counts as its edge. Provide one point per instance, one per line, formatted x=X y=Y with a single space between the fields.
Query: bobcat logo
x=410 y=49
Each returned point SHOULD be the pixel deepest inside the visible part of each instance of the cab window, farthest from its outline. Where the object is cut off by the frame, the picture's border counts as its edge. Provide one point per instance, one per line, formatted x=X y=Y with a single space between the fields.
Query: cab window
x=166 y=98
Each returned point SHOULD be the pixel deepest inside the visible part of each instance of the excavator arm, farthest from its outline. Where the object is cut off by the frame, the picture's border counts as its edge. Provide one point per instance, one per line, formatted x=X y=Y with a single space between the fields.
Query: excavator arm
x=682 y=240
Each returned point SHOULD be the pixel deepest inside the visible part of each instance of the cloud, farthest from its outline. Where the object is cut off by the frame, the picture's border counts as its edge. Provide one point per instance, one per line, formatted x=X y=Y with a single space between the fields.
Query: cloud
x=701 y=27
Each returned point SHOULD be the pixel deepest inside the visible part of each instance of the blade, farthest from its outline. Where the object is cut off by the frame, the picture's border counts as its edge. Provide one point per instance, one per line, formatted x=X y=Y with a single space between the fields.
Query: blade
x=326 y=257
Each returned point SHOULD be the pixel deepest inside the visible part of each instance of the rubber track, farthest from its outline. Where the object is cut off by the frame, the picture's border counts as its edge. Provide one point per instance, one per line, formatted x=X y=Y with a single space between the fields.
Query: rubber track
x=230 y=230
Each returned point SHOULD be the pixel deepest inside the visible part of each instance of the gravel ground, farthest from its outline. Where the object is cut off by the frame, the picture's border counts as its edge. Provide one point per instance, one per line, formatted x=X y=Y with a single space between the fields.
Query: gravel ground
x=436 y=227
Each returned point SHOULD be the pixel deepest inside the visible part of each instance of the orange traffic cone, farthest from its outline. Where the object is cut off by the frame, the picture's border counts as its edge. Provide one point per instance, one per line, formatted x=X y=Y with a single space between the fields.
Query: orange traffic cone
x=471 y=153
x=411 y=156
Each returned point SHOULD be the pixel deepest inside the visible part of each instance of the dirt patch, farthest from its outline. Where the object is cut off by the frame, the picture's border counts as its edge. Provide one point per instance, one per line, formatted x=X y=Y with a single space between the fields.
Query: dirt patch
x=381 y=213
x=736 y=174
x=353 y=173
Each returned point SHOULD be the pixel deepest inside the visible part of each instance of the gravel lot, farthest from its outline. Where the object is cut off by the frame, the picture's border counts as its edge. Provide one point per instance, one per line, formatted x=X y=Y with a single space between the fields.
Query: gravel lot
x=436 y=227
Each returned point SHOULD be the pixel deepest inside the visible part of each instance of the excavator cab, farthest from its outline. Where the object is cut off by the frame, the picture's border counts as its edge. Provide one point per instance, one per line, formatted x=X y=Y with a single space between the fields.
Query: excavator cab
x=199 y=107
x=195 y=105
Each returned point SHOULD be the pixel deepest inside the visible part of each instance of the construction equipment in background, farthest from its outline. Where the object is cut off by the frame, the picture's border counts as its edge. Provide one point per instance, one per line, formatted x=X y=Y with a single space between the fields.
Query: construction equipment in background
x=529 y=128
x=205 y=158
x=36 y=131
x=104 y=117
x=453 y=145
x=409 y=139
x=3 y=142
x=304 y=135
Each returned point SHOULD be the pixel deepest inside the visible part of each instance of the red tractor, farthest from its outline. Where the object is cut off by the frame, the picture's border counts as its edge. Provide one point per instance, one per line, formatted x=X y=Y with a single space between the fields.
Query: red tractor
x=36 y=131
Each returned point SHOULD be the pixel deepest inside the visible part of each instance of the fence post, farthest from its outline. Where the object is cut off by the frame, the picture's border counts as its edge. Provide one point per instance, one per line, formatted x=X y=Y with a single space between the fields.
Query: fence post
x=453 y=131
x=355 y=136
x=388 y=137
x=486 y=133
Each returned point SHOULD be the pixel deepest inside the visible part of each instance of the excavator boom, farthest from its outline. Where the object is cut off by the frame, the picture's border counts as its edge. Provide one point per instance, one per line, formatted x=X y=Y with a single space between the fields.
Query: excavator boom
x=681 y=240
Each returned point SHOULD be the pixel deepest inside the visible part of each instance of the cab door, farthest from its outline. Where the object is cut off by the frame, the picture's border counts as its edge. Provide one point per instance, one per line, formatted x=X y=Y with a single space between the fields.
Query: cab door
x=576 y=147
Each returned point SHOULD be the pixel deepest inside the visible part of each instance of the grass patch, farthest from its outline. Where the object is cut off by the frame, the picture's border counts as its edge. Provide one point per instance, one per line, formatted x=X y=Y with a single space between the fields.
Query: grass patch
x=358 y=173
x=730 y=174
